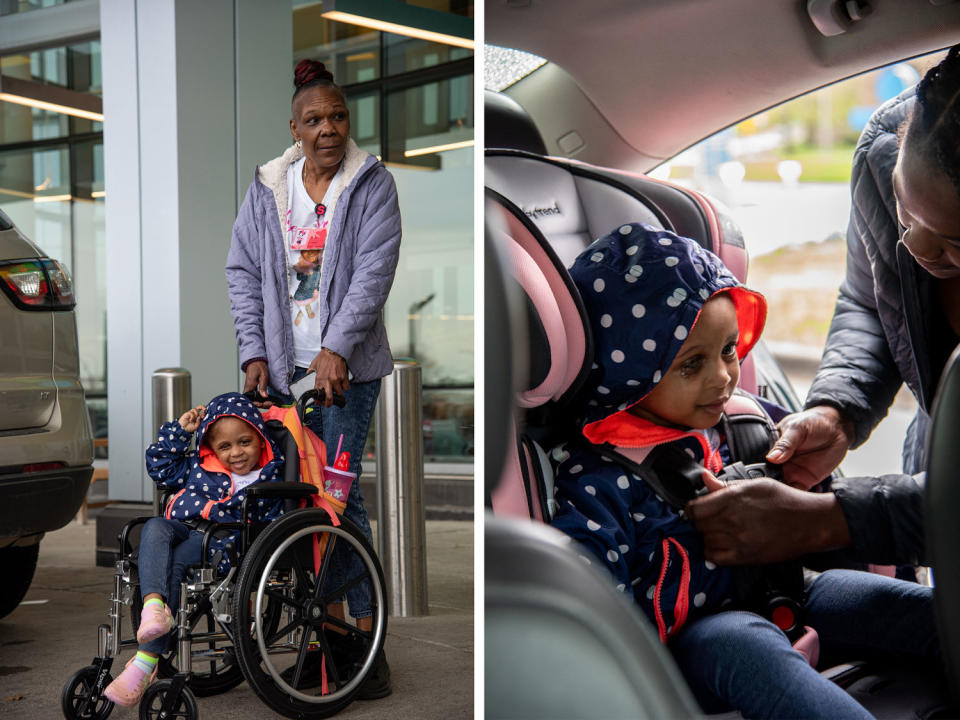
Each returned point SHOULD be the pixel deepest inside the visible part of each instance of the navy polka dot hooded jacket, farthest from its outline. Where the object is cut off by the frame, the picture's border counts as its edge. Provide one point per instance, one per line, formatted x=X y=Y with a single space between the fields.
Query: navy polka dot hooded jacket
x=643 y=289
x=204 y=486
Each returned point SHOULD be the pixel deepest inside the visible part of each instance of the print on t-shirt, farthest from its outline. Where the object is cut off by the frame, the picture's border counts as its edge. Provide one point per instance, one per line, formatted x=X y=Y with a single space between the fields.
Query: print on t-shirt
x=310 y=243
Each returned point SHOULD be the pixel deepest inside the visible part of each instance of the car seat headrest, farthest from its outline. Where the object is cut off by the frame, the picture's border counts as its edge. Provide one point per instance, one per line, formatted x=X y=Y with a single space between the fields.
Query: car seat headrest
x=507 y=125
x=559 y=343
x=570 y=209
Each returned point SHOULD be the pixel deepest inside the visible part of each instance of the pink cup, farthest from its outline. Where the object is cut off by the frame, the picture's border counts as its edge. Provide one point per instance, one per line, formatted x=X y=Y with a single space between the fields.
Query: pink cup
x=337 y=483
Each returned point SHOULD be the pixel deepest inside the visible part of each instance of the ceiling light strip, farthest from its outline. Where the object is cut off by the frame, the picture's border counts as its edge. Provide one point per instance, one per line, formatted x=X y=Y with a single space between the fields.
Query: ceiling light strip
x=438 y=148
x=397 y=29
x=53 y=107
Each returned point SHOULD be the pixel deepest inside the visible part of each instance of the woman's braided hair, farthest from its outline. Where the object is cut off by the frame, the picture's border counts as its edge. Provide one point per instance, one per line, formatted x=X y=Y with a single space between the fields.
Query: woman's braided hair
x=312 y=73
x=934 y=125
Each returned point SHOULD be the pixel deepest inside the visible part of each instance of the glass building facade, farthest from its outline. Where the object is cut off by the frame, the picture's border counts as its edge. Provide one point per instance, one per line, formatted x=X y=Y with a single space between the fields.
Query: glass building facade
x=411 y=104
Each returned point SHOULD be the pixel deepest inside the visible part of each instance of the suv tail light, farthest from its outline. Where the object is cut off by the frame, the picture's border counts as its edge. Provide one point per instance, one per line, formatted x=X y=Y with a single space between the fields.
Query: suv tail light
x=41 y=284
x=39 y=467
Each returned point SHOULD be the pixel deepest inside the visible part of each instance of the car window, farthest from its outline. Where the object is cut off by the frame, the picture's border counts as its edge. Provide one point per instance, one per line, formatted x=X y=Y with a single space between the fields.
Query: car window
x=784 y=176
x=502 y=67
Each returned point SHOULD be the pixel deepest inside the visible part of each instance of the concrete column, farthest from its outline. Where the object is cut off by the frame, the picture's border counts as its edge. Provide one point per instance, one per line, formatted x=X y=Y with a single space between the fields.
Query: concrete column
x=195 y=95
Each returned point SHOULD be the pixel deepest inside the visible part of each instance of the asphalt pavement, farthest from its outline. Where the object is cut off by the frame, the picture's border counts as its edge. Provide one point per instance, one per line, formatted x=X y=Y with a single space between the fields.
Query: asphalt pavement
x=53 y=633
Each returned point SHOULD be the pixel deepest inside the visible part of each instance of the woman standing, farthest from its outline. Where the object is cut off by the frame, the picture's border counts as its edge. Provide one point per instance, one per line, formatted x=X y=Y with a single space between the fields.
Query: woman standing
x=311 y=262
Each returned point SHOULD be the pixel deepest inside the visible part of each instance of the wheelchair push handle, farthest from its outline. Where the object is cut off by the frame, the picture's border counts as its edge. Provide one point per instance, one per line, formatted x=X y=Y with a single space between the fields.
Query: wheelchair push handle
x=254 y=396
x=317 y=396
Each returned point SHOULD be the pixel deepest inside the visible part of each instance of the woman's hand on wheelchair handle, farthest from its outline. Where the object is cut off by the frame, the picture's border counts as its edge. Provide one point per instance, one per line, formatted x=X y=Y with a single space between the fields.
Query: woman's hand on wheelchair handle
x=331 y=370
x=257 y=376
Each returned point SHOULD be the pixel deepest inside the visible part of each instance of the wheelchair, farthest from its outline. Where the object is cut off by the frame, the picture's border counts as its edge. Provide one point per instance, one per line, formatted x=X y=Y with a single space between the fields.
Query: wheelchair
x=267 y=621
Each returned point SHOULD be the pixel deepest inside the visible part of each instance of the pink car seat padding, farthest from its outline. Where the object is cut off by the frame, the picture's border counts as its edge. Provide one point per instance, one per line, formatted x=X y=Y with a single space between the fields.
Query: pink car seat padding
x=542 y=282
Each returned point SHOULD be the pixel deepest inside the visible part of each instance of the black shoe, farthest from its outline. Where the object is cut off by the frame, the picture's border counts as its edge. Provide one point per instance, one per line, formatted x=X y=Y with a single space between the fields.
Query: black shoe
x=347 y=653
x=377 y=683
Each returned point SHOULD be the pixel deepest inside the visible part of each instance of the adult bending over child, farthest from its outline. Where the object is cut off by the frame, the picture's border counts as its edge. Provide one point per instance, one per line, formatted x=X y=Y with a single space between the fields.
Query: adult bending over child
x=896 y=321
x=670 y=325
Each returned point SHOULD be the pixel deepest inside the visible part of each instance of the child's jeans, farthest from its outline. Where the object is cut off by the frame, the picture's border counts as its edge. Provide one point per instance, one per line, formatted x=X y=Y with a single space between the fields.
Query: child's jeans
x=739 y=660
x=167 y=549
x=353 y=421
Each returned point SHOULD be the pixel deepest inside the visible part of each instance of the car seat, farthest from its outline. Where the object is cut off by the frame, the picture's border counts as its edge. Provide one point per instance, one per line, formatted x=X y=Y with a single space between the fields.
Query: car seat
x=545 y=211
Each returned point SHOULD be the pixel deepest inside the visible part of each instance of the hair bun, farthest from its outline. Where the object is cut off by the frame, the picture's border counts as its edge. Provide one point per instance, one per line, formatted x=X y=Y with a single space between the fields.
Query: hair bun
x=308 y=71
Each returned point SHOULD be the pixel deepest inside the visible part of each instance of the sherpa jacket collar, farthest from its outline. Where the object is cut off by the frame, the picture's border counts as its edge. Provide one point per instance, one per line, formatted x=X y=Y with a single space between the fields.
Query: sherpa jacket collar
x=273 y=174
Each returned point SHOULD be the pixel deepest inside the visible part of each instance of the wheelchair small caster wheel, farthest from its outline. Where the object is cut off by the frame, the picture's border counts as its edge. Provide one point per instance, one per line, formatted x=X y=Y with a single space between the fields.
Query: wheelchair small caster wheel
x=155 y=706
x=82 y=700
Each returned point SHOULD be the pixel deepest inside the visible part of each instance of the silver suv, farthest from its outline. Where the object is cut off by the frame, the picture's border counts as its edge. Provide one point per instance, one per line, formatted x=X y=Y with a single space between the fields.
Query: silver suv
x=46 y=447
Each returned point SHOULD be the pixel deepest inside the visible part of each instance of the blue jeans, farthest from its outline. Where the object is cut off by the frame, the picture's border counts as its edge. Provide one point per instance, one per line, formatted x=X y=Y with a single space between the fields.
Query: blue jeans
x=167 y=549
x=353 y=421
x=740 y=660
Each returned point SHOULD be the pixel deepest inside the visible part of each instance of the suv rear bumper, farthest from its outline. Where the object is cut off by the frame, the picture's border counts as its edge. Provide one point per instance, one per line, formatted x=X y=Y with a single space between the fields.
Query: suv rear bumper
x=41 y=501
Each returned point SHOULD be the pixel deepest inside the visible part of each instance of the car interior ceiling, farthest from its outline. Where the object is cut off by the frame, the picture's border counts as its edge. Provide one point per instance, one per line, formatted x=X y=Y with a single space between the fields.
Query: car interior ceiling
x=670 y=53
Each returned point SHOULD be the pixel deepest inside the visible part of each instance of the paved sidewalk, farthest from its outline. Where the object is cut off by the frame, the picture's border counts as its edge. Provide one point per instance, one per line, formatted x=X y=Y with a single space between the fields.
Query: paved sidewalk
x=54 y=633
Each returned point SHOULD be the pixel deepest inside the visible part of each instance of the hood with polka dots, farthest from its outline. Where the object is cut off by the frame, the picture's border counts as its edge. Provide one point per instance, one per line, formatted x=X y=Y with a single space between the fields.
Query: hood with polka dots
x=643 y=290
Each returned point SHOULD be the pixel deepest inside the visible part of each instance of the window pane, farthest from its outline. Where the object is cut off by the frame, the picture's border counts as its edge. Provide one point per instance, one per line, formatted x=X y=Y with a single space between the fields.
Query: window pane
x=350 y=52
x=11 y=7
x=35 y=193
x=784 y=177
x=429 y=313
x=76 y=67
x=365 y=121
x=405 y=53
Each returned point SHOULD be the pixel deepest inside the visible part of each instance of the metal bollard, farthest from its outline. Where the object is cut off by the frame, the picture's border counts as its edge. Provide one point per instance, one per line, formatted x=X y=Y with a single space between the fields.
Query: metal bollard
x=171 y=399
x=401 y=531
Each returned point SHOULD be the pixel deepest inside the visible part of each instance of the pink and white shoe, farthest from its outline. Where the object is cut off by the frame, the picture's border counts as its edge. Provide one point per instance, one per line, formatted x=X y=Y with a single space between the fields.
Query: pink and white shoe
x=130 y=685
x=155 y=621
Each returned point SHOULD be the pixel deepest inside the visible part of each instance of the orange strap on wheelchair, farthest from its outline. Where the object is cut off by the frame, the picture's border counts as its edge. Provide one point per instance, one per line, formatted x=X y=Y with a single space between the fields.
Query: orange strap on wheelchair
x=313 y=456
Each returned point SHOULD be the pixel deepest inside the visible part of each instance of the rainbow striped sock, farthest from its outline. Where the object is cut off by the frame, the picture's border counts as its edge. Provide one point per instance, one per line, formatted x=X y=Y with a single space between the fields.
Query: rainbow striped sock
x=145 y=662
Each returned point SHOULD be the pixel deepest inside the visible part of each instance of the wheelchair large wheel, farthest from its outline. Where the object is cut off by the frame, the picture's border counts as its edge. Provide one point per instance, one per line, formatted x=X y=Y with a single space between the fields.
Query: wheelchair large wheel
x=213 y=665
x=286 y=665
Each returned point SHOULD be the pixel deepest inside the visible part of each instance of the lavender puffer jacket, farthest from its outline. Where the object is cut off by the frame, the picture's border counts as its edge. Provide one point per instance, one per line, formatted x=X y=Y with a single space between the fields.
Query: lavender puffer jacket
x=359 y=263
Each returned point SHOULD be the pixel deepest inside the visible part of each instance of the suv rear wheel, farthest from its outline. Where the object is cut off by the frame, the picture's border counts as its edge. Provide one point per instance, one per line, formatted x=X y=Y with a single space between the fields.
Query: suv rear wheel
x=18 y=563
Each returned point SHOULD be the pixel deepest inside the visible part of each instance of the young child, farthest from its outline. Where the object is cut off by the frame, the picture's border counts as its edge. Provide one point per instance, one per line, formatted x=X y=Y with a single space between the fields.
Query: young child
x=671 y=325
x=233 y=451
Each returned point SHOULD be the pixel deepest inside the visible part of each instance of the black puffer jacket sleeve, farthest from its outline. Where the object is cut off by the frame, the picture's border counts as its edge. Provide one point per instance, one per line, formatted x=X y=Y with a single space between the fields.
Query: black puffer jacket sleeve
x=859 y=374
x=885 y=518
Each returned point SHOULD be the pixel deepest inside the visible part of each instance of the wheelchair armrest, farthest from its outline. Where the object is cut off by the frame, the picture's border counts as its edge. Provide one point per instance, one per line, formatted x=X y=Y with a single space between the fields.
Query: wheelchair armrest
x=291 y=490
x=209 y=530
x=123 y=536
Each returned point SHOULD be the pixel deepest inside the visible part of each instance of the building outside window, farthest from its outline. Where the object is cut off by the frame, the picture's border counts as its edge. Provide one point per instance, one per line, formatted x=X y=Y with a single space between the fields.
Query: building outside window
x=411 y=104
x=51 y=186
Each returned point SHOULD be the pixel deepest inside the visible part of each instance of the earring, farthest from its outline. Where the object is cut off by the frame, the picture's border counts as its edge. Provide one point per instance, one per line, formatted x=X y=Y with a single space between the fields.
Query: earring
x=299 y=145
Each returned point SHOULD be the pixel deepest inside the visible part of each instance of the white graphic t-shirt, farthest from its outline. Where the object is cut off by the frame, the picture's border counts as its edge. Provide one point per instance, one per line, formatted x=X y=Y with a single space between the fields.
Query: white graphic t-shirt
x=306 y=237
